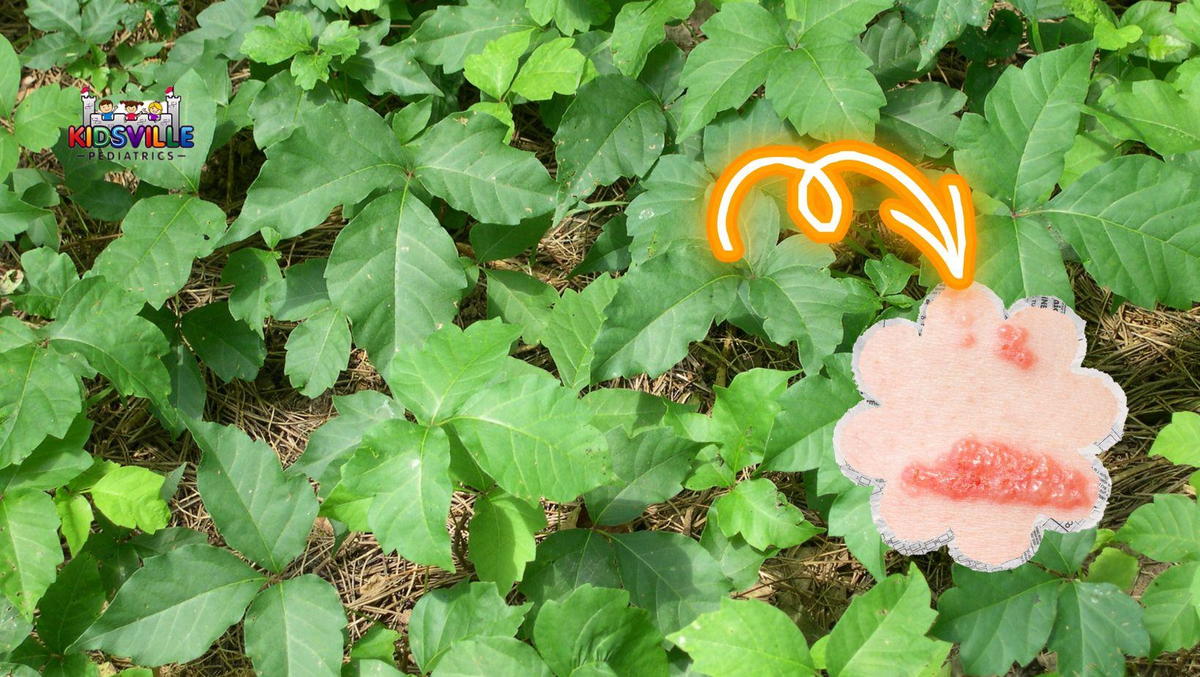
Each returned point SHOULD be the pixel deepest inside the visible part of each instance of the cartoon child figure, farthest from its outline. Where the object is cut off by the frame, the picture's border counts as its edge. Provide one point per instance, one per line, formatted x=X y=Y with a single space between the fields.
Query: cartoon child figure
x=107 y=110
x=131 y=110
x=155 y=110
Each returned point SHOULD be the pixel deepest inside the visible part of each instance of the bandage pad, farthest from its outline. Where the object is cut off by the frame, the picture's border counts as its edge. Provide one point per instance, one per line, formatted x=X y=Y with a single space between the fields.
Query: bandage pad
x=979 y=427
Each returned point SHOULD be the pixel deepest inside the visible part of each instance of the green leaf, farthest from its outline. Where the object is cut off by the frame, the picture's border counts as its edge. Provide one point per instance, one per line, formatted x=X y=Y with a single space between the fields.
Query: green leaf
x=378 y=642
x=452 y=32
x=570 y=558
x=633 y=411
x=555 y=67
x=10 y=154
x=14 y=334
x=29 y=549
x=394 y=272
x=745 y=638
x=832 y=20
x=500 y=111
x=48 y=275
x=851 y=520
x=330 y=445
x=338 y=38
x=572 y=328
x=1015 y=152
x=129 y=497
x=52 y=463
x=257 y=285
x=464 y=160
x=466 y=611
x=744 y=41
x=670 y=575
x=39 y=397
x=228 y=23
x=434 y=380
x=98 y=321
x=531 y=422
x=291 y=35
x=309 y=69
x=756 y=511
x=10 y=76
x=570 y=16
x=1019 y=257
x=339 y=154
x=522 y=300
x=279 y=108
x=1153 y=112
x=295 y=628
x=997 y=619
x=890 y=275
x=614 y=128
x=389 y=69
x=739 y=561
x=261 y=511
x=318 y=349
x=403 y=468
x=1114 y=566
x=492 y=70
x=669 y=210
x=228 y=347
x=502 y=531
x=17 y=216
x=826 y=91
x=938 y=22
x=638 y=28
x=42 y=114
x=160 y=237
x=797 y=299
x=1172 y=608
x=55 y=15
x=734 y=131
x=1096 y=624
x=742 y=418
x=921 y=119
x=659 y=309
x=76 y=515
x=649 y=467
x=499 y=656
x=1065 y=553
x=802 y=433
x=1167 y=530
x=304 y=291
x=71 y=604
x=595 y=629
x=1179 y=440
x=1133 y=223
x=883 y=630
x=174 y=607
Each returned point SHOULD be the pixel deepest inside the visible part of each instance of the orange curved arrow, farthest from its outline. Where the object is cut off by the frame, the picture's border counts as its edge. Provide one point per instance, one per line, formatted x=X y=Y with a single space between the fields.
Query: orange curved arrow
x=938 y=219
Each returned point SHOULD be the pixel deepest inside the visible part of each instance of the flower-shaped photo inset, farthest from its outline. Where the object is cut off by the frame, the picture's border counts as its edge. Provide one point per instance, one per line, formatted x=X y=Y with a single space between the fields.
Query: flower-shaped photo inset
x=979 y=429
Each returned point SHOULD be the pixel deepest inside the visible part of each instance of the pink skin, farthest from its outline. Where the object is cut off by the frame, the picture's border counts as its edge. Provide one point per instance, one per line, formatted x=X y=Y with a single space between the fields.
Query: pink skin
x=971 y=373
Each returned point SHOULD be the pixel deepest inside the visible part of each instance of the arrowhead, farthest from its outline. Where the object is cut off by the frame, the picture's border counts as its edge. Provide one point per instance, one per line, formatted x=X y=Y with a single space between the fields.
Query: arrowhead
x=942 y=228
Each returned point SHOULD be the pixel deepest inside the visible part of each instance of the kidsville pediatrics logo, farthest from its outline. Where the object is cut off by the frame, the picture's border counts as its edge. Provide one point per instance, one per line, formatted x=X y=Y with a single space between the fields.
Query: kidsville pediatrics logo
x=130 y=130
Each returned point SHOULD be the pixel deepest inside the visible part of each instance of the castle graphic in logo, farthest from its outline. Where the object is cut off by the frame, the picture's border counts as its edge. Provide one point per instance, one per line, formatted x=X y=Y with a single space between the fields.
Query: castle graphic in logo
x=130 y=130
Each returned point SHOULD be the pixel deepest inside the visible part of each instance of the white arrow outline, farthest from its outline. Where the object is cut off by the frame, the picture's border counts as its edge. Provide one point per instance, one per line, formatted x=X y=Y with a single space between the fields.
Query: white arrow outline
x=952 y=250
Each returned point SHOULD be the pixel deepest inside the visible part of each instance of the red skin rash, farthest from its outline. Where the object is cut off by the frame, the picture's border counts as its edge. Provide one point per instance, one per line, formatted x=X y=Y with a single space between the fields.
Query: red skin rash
x=1011 y=345
x=998 y=473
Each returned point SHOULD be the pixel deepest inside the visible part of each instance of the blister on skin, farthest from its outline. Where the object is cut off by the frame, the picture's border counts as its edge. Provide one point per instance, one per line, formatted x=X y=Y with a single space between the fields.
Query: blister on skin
x=979 y=427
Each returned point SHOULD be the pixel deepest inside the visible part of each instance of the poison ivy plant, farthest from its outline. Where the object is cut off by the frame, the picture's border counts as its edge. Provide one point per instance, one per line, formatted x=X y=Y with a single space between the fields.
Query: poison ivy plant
x=457 y=253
